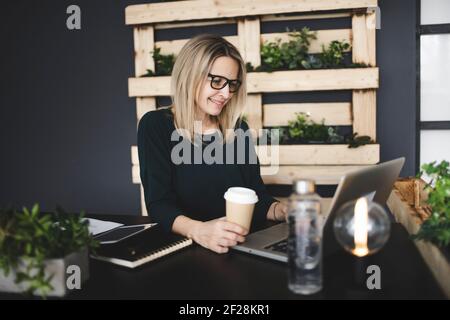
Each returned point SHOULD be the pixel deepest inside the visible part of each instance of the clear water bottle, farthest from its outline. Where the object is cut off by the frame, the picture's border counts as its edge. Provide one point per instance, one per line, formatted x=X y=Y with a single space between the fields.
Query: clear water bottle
x=305 y=239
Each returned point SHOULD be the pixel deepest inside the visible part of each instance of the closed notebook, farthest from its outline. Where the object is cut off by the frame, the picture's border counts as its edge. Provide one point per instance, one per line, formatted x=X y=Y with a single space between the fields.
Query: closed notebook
x=152 y=244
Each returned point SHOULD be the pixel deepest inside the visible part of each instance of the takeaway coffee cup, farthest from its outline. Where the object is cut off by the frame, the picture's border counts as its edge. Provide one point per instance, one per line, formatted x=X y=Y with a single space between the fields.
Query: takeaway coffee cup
x=240 y=203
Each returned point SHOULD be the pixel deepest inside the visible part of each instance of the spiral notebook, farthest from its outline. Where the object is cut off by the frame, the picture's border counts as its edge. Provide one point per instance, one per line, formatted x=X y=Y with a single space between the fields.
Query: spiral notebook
x=150 y=245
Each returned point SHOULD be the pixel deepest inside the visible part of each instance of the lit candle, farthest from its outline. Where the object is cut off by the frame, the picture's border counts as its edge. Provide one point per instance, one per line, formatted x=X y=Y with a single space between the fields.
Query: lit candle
x=360 y=225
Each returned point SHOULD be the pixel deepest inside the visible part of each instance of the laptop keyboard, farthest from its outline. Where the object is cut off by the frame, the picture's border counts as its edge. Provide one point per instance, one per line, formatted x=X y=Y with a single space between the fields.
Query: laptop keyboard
x=280 y=246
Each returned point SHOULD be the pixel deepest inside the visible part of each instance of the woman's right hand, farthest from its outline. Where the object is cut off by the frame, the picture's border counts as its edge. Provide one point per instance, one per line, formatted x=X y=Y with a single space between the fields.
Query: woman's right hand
x=218 y=234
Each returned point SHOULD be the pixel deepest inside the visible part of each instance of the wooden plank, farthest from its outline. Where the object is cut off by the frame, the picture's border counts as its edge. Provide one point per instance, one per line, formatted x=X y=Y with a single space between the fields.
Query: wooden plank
x=205 y=23
x=315 y=16
x=280 y=81
x=134 y=155
x=364 y=42
x=149 y=86
x=207 y=9
x=144 y=105
x=143 y=46
x=320 y=155
x=371 y=38
x=253 y=111
x=311 y=80
x=265 y=18
x=252 y=41
x=365 y=113
x=322 y=175
x=143 y=206
x=334 y=113
x=135 y=170
x=324 y=37
x=174 y=46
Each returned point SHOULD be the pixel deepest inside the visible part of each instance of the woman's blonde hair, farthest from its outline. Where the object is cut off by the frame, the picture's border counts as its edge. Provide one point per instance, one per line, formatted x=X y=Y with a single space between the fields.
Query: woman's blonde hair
x=190 y=70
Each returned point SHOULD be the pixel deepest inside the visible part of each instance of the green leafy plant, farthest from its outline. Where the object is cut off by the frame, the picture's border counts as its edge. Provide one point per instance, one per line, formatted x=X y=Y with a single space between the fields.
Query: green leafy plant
x=436 y=228
x=287 y=55
x=356 y=141
x=28 y=238
x=303 y=128
x=163 y=64
x=333 y=56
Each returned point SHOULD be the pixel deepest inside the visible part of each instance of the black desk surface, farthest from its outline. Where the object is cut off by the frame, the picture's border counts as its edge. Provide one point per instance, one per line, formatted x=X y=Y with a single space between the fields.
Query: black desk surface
x=197 y=273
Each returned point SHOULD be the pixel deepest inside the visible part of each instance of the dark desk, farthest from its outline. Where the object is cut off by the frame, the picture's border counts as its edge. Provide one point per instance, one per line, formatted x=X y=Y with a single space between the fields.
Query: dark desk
x=197 y=273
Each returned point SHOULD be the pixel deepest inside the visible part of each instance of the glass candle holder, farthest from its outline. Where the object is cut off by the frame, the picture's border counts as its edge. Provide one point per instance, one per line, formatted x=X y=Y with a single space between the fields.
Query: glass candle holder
x=362 y=227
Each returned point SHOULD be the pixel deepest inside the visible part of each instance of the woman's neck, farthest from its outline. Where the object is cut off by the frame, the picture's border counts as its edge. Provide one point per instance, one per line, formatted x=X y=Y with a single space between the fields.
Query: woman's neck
x=208 y=124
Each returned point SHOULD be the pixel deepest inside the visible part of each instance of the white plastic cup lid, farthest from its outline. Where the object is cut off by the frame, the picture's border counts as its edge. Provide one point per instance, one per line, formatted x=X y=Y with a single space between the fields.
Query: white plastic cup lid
x=241 y=195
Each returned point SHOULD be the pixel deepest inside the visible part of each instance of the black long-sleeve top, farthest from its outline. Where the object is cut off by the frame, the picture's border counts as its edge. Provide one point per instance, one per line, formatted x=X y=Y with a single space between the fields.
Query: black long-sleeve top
x=192 y=190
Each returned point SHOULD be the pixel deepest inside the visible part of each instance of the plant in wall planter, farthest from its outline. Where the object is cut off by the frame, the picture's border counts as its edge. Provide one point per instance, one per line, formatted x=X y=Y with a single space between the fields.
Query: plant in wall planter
x=303 y=130
x=163 y=64
x=43 y=254
x=436 y=228
x=293 y=55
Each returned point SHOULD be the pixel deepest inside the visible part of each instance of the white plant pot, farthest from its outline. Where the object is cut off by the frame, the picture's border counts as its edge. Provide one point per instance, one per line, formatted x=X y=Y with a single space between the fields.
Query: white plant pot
x=64 y=276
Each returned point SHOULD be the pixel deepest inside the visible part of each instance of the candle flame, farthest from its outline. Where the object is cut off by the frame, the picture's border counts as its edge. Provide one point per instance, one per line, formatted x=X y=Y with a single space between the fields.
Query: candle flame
x=361 y=224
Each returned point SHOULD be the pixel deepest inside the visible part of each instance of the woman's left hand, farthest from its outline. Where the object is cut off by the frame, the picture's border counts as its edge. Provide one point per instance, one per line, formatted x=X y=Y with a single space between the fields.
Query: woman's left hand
x=278 y=211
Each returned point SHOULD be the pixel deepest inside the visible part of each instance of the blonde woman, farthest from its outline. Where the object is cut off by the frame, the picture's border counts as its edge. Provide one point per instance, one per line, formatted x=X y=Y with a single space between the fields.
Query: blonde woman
x=208 y=98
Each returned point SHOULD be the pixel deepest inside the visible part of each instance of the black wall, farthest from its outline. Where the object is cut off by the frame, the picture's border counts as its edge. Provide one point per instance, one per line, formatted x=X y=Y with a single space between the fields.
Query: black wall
x=66 y=121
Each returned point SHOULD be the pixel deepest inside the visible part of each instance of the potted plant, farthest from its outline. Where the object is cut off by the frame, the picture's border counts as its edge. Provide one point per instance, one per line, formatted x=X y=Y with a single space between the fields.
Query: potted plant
x=436 y=228
x=43 y=254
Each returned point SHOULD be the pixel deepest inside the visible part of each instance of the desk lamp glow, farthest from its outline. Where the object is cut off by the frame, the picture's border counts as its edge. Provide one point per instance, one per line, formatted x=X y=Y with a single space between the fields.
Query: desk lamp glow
x=362 y=228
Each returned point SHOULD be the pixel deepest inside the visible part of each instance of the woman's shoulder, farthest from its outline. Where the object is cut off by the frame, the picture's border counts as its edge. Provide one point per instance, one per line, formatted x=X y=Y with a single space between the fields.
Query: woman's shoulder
x=161 y=118
x=161 y=114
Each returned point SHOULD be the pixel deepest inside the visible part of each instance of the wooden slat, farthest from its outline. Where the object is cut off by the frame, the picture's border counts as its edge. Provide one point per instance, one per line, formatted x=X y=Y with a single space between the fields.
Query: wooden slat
x=143 y=46
x=324 y=37
x=322 y=175
x=207 y=9
x=315 y=16
x=365 y=113
x=364 y=101
x=204 y=23
x=251 y=36
x=134 y=155
x=321 y=155
x=311 y=80
x=143 y=206
x=266 y=18
x=371 y=38
x=334 y=113
x=135 y=170
x=174 y=46
x=149 y=86
x=280 y=81
x=253 y=111
x=364 y=44
x=144 y=105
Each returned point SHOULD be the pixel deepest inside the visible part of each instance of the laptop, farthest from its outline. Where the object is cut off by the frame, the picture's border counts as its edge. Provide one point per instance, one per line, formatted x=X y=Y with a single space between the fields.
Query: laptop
x=374 y=182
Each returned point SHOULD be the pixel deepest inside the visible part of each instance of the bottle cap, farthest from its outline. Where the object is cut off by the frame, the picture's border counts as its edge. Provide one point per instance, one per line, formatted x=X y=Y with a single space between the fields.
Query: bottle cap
x=304 y=186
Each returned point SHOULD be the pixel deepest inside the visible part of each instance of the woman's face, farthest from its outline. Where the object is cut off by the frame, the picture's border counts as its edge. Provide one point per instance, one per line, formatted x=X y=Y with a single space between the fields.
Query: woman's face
x=211 y=101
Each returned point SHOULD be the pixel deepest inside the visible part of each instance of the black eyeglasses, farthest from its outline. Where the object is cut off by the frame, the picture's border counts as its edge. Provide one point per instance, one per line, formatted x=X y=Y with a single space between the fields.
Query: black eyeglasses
x=219 y=82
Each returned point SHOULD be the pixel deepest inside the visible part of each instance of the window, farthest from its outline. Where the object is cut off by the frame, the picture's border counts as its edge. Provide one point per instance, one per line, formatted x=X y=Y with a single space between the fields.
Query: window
x=433 y=112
